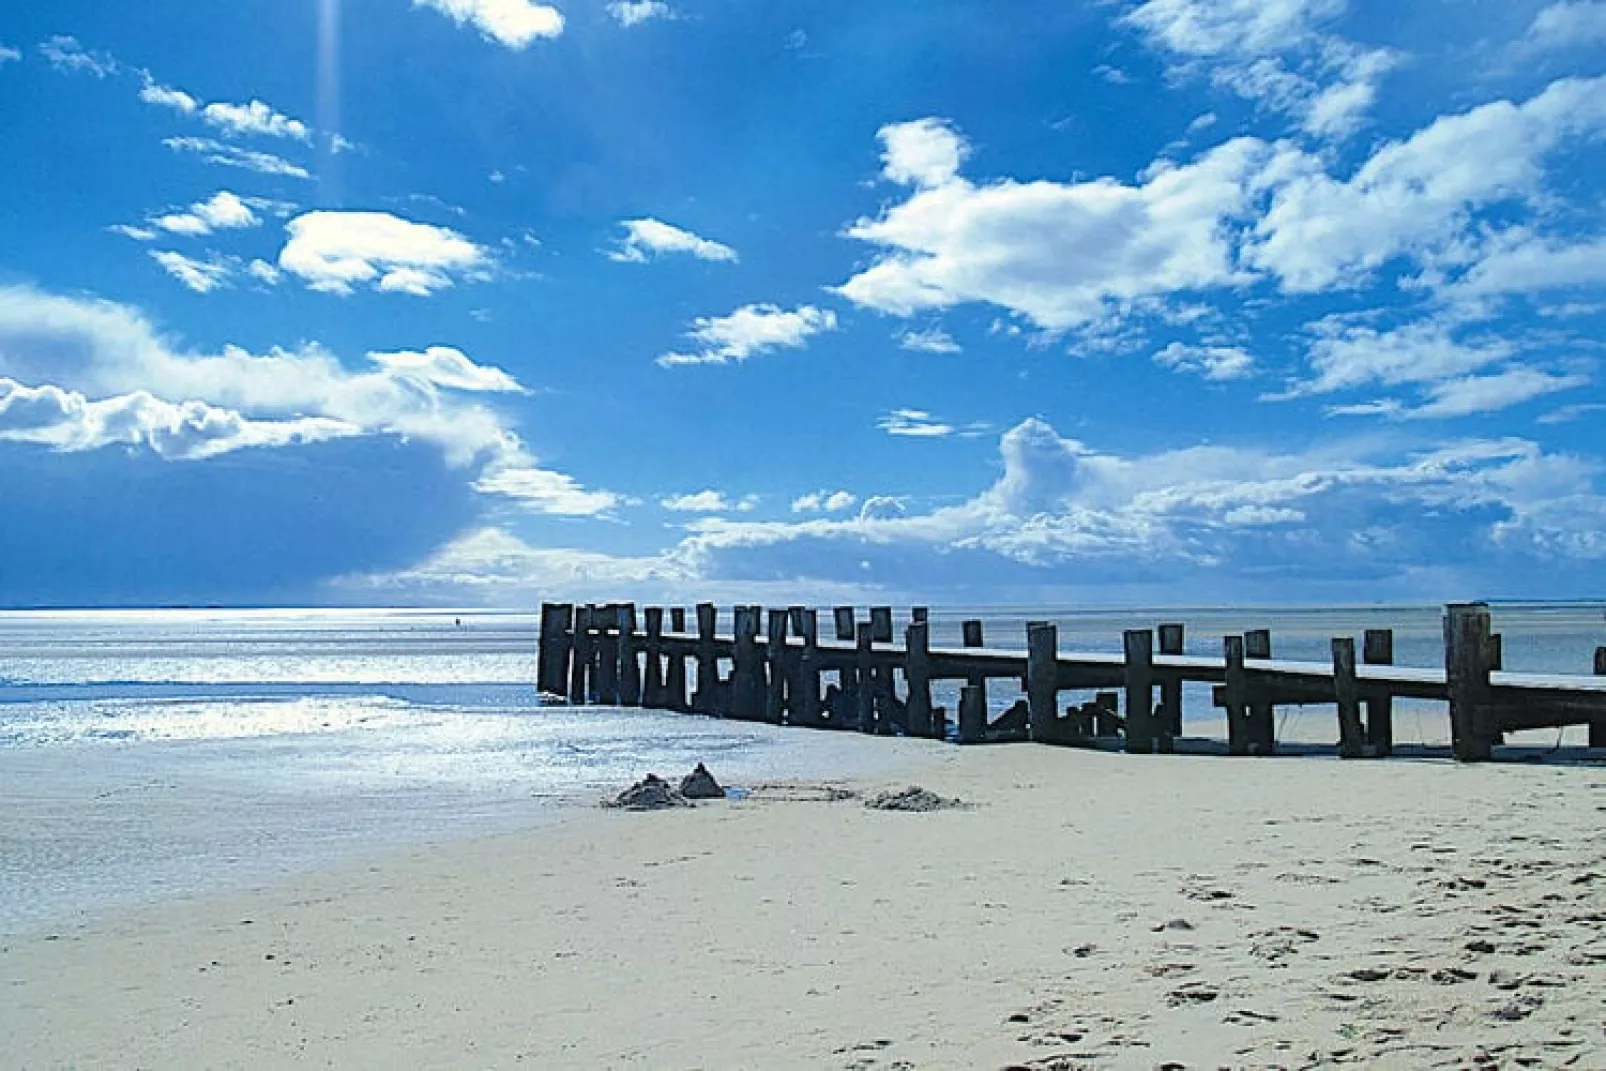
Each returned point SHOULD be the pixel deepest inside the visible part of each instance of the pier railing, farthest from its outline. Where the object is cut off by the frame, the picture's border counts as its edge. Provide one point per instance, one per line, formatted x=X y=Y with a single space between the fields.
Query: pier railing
x=775 y=667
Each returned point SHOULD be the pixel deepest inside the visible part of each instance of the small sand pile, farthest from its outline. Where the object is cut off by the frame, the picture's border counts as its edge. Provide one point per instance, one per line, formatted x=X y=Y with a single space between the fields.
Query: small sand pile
x=913 y=798
x=651 y=793
x=700 y=785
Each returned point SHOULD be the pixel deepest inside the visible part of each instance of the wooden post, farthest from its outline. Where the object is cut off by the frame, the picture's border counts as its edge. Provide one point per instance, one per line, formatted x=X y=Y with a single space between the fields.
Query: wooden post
x=1347 y=691
x=917 y=673
x=580 y=663
x=778 y=658
x=705 y=699
x=794 y=620
x=606 y=618
x=880 y=625
x=675 y=681
x=806 y=703
x=1042 y=680
x=919 y=615
x=1235 y=690
x=1467 y=653
x=844 y=623
x=1377 y=649
x=1171 y=643
x=970 y=636
x=552 y=664
x=652 y=684
x=629 y=668
x=863 y=666
x=1597 y=726
x=972 y=714
x=1106 y=717
x=747 y=693
x=1138 y=645
x=1262 y=728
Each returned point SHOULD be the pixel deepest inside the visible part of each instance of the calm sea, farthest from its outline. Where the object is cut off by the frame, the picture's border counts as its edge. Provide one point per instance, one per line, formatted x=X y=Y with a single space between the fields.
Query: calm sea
x=149 y=753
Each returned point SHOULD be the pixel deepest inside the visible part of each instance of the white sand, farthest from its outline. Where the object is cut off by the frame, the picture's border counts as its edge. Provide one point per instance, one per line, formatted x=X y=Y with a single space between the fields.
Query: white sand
x=1319 y=912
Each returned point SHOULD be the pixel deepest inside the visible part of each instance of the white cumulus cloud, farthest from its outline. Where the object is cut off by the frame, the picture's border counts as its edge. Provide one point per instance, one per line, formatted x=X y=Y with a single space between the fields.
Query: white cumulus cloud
x=513 y=23
x=447 y=367
x=222 y=211
x=338 y=251
x=1062 y=255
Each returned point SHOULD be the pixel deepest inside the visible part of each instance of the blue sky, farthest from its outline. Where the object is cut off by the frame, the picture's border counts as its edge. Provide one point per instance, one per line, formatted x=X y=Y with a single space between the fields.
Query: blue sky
x=484 y=301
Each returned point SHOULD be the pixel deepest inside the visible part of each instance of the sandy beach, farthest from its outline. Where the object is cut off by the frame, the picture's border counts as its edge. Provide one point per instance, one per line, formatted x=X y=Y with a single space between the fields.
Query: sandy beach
x=1080 y=910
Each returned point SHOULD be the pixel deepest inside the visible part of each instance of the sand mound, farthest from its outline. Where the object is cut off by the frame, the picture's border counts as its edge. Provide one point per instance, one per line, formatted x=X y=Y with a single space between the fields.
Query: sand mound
x=913 y=798
x=651 y=793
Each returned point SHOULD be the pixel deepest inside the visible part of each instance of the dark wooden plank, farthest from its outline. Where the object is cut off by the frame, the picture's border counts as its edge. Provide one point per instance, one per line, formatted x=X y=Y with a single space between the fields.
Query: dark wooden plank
x=705 y=700
x=557 y=643
x=917 y=673
x=864 y=692
x=1138 y=646
x=1042 y=679
x=629 y=665
x=972 y=714
x=747 y=692
x=1171 y=644
x=675 y=697
x=1597 y=727
x=580 y=662
x=606 y=620
x=1262 y=712
x=1351 y=736
x=775 y=654
x=652 y=647
x=1235 y=695
x=1377 y=649
x=806 y=700
x=1466 y=669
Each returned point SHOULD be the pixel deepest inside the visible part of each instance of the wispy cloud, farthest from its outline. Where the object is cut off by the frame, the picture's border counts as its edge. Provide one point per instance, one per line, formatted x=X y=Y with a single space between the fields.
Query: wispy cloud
x=749 y=331
x=218 y=152
x=648 y=238
x=635 y=12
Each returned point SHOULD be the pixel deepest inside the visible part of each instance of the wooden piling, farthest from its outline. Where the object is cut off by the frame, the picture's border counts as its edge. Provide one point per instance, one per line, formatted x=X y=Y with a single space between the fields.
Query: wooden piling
x=606 y=620
x=747 y=693
x=880 y=624
x=557 y=641
x=1377 y=649
x=1347 y=691
x=970 y=636
x=917 y=673
x=580 y=656
x=1235 y=692
x=1597 y=727
x=652 y=682
x=1261 y=715
x=972 y=714
x=919 y=615
x=864 y=694
x=1171 y=643
x=777 y=657
x=629 y=668
x=1042 y=680
x=675 y=679
x=705 y=700
x=1138 y=644
x=1467 y=664
x=806 y=703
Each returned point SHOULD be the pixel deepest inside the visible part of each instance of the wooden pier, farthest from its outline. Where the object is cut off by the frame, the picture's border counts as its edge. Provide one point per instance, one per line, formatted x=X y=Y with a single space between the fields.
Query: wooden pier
x=775 y=667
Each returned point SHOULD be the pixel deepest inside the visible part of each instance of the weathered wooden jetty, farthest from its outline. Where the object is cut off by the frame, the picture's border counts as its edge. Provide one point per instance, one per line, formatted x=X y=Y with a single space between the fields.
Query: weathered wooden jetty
x=775 y=667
